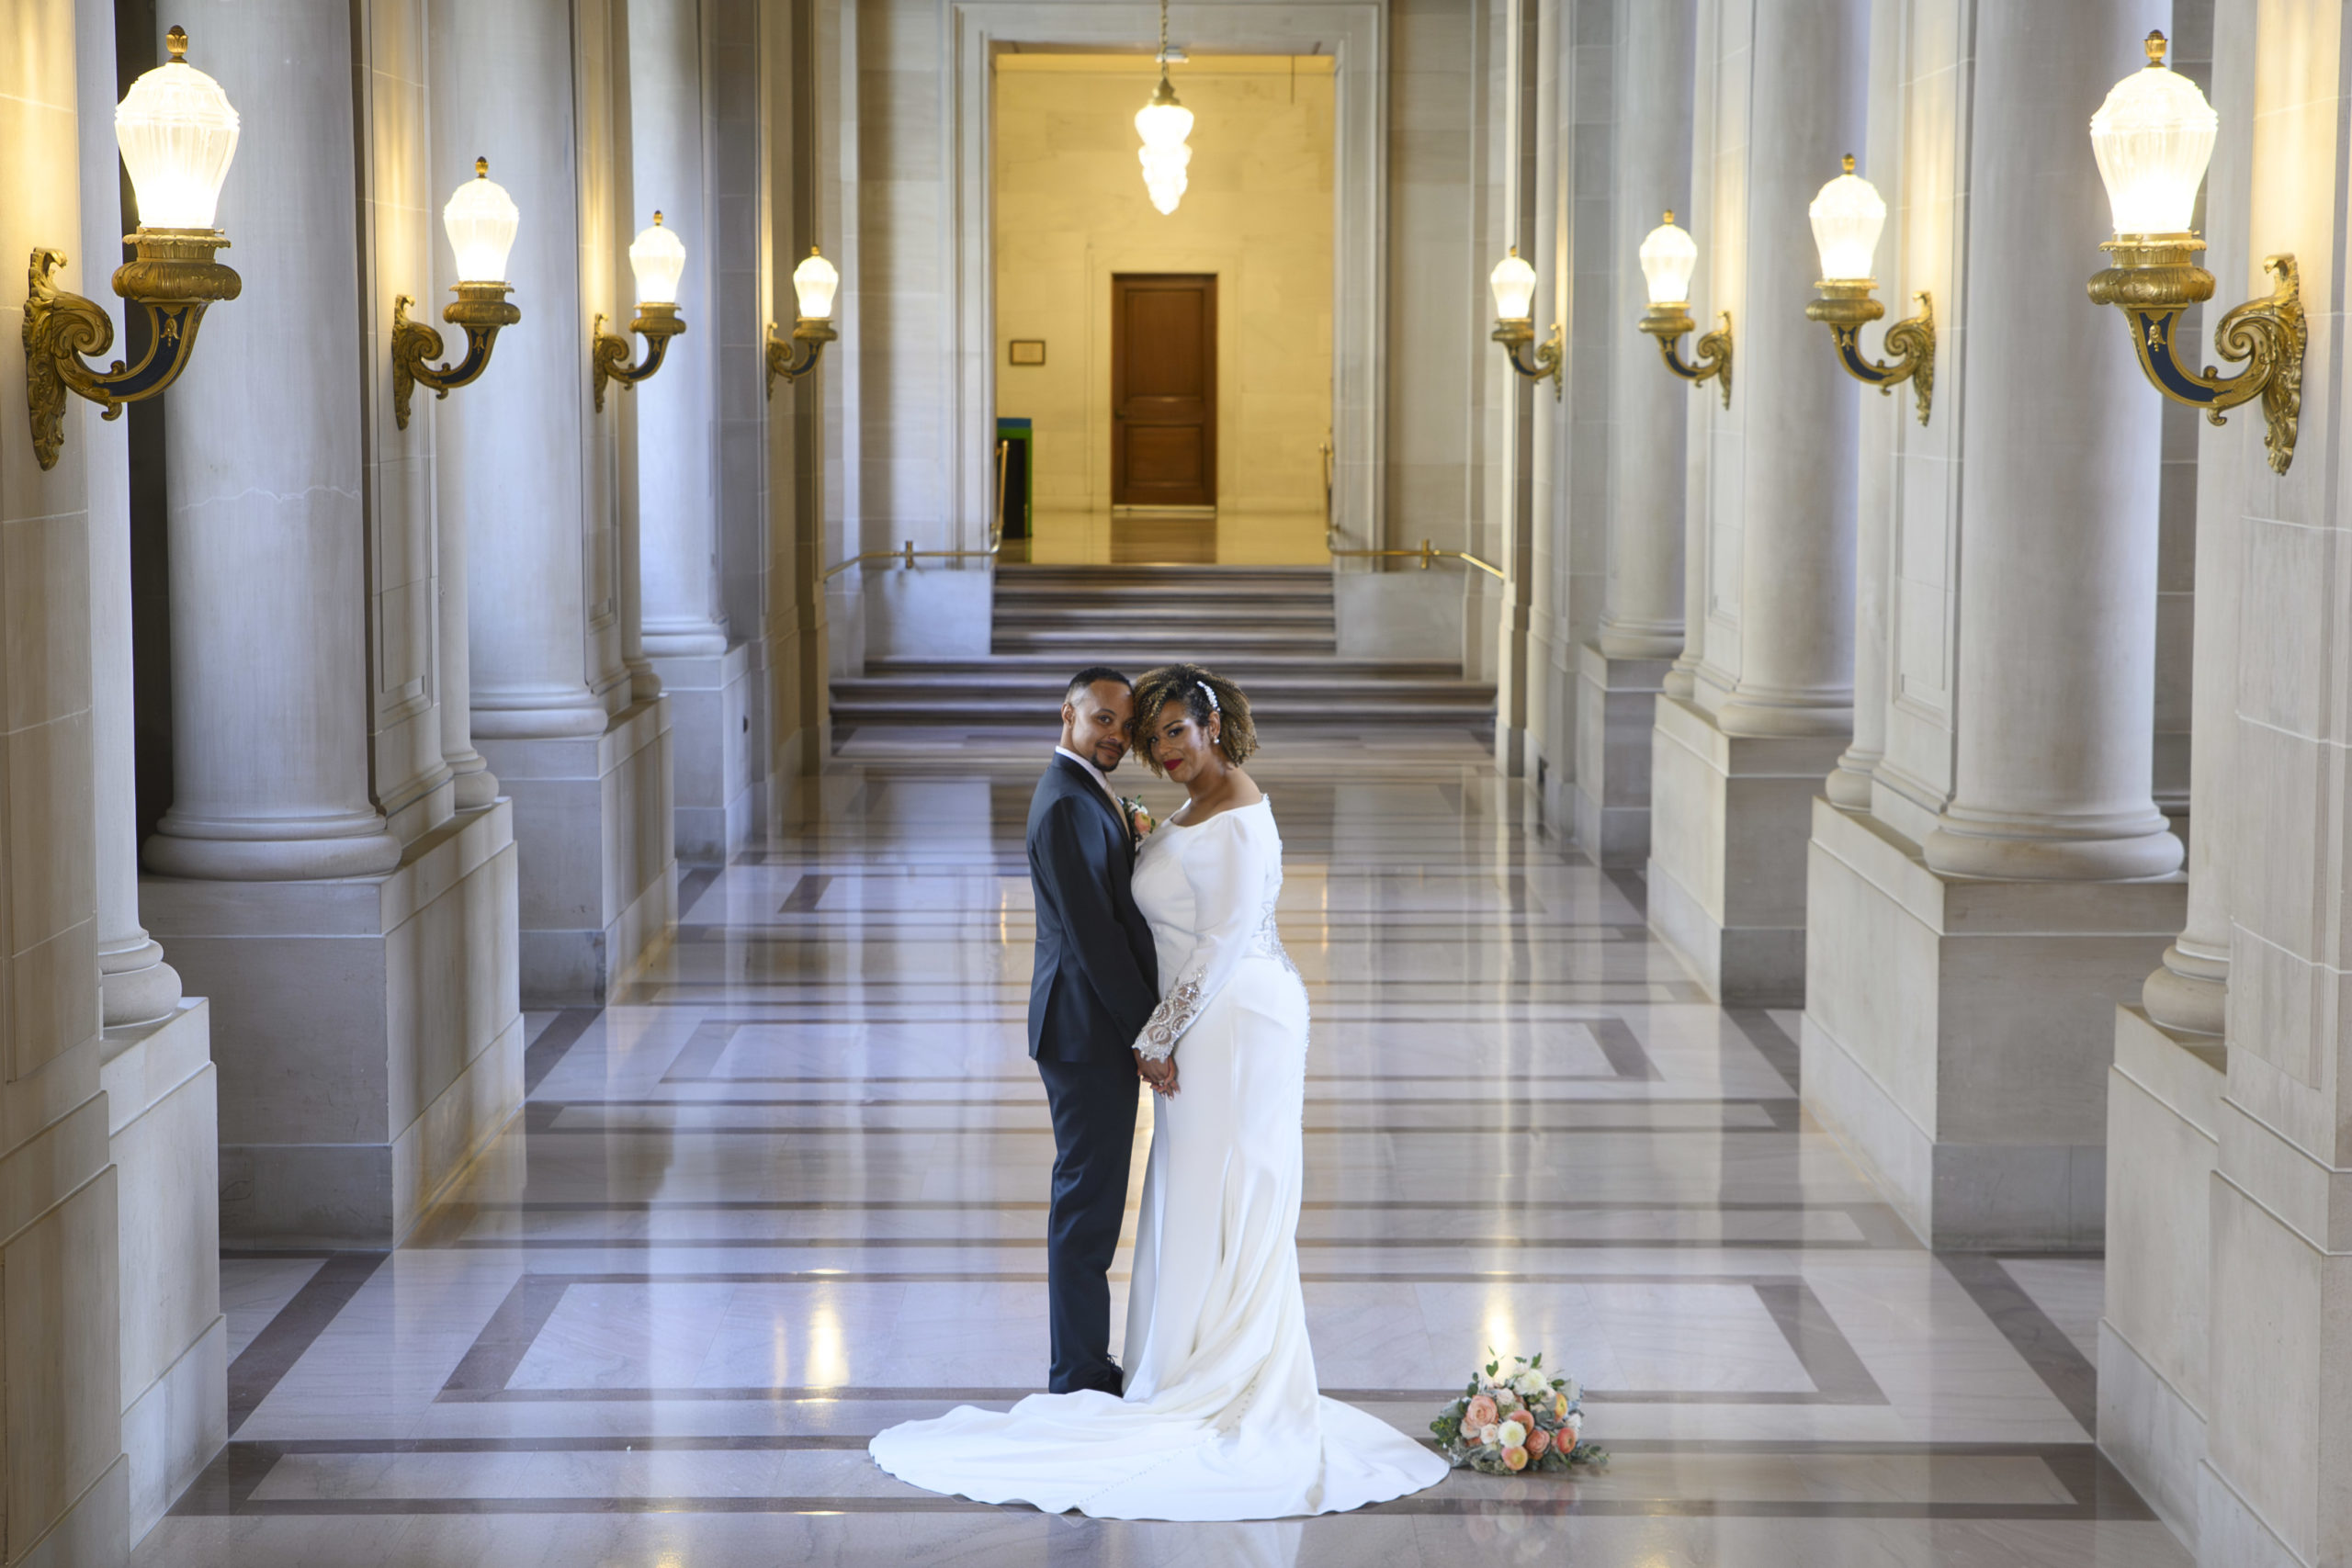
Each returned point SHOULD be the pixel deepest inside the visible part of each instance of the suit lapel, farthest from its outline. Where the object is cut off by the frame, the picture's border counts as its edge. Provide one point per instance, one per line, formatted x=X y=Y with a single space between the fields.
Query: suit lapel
x=1085 y=781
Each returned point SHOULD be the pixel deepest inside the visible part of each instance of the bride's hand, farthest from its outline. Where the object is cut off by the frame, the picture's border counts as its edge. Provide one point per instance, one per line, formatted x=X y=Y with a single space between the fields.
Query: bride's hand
x=1160 y=1075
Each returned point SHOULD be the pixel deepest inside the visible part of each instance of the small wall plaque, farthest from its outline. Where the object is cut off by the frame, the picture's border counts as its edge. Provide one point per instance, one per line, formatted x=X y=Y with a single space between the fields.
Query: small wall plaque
x=1028 y=350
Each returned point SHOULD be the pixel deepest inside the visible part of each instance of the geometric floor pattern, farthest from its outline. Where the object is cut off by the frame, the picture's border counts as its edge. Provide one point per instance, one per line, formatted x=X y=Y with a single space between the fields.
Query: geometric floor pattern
x=789 y=1188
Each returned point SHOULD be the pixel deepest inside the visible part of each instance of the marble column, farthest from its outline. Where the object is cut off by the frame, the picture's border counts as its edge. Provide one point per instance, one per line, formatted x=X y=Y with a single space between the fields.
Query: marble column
x=1963 y=967
x=269 y=667
x=1621 y=673
x=501 y=73
x=139 y=987
x=1641 y=616
x=2053 y=751
x=677 y=523
x=532 y=469
x=1796 y=596
x=1736 y=766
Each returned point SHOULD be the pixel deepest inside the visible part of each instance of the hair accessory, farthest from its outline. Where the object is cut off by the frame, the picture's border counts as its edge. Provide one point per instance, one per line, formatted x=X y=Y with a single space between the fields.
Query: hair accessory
x=1210 y=692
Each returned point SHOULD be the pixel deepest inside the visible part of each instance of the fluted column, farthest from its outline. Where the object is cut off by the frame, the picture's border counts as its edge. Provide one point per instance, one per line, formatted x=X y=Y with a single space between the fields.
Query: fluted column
x=138 y=985
x=2056 y=672
x=1796 y=598
x=503 y=76
x=677 y=446
x=1642 y=611
x=269 y=671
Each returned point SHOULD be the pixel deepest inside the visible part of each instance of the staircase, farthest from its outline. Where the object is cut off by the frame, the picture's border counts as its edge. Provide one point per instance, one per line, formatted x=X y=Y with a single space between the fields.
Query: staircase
x=1268 y=629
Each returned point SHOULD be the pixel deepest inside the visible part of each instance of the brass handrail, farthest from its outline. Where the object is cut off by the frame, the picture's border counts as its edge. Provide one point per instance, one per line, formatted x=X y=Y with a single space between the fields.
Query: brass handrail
x=1426 y=554
x=1331 y=531
x=906 y=555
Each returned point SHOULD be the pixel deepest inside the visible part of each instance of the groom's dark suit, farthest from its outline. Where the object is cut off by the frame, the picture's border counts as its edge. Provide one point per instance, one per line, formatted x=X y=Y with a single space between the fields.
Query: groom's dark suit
x=1096 y=982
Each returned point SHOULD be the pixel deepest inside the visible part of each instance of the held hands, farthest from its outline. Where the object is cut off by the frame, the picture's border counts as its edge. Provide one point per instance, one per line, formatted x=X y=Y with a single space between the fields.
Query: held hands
x=1161 y=1076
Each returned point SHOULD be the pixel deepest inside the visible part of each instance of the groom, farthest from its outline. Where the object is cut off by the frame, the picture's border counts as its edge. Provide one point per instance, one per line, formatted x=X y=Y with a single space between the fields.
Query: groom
x=1096 y=982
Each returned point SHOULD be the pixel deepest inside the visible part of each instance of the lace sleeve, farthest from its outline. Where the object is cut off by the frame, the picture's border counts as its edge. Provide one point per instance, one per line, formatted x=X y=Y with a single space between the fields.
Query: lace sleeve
x=1230 y=903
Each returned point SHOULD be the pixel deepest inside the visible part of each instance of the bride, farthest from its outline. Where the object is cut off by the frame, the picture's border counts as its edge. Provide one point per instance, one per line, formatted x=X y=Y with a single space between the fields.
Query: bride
x=1221 y=1418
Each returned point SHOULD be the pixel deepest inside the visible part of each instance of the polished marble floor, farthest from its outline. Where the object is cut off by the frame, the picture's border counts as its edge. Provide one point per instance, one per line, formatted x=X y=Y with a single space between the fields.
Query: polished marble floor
x=789 y=1188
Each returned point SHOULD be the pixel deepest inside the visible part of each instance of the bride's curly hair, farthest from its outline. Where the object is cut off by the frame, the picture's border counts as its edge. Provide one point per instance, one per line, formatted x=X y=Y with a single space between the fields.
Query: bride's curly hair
x=1191 y=685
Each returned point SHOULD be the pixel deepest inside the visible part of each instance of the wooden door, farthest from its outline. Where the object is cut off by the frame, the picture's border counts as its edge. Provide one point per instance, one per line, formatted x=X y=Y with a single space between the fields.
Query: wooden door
x=1163 y=390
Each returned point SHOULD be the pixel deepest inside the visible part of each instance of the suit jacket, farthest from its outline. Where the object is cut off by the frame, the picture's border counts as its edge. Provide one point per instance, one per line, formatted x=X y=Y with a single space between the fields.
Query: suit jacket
x=1097 y=976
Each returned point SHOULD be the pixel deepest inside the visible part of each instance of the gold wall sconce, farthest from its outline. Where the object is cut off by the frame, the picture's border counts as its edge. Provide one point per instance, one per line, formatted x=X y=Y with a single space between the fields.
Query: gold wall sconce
x=2153 y=137
x=1848 y=217
x=1669 y=258
x=480 y=219
x=814 y=282
x=1513 y=282
x=178 y=132
x=659 y=259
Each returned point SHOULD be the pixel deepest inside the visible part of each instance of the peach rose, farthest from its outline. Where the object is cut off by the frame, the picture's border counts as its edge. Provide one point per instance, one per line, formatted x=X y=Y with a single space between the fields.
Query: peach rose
x=1522 y=1416
x=1559 y=1407
x=1537 y=1441
x=1514 y=1458
x=1482 y=1413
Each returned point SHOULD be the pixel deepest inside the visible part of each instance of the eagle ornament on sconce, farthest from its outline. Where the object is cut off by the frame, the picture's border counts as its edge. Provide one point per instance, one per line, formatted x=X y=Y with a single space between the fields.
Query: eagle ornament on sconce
x=178 y=133
x=2153 y=138
x=480 y=220
x=1669 y=258
x=1848 y=216
x=659 y=259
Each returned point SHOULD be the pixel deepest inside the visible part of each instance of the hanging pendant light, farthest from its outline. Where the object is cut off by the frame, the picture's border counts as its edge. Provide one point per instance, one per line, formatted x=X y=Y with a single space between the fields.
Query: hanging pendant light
x=1163 y=124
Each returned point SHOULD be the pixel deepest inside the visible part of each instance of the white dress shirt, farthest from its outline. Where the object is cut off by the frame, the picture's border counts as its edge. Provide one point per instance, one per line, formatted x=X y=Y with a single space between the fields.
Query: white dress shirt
x=1096 y=774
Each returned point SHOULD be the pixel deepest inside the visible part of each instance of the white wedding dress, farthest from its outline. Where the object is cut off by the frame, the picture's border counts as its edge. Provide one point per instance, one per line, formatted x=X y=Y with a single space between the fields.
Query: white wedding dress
x=1222 y=1418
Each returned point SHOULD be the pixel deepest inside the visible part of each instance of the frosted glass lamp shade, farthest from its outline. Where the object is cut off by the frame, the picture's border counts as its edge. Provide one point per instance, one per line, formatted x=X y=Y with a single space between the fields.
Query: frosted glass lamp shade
x=814 y=280
x=178 y=131
x=1164 y=124
x=1669 y=258
x=659 y=259
x=480 y=219
x=1848 y=217
x=2153 y=138
x=1513 y=282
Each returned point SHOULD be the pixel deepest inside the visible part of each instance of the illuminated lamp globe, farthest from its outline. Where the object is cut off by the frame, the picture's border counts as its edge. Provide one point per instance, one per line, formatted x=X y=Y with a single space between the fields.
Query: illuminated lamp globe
x=815 y=280
x=1669 y=258
x=1848 y=217
x=1513 y=282
x=178 y=131
x=2153 y=138
x=1163 y=124
x=480 y=219
x=659 y=259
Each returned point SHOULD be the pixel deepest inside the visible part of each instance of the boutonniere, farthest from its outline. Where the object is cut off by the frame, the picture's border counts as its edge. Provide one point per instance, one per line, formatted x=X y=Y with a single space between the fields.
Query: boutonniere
x=1139 y=822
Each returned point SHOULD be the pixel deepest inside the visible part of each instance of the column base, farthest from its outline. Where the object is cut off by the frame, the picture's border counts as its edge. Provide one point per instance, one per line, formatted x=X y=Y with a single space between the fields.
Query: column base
x=2189 y=993
x=1727 y=865
x=135 y=986
x=370 y=1035
x=593 y=817
x=1616 y=707
x=710 y=699
x=1958 y=1032
x=2164 y=1105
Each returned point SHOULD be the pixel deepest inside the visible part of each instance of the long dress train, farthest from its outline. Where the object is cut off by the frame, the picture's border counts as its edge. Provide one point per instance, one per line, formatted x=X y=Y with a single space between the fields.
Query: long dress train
x=1222 y=1418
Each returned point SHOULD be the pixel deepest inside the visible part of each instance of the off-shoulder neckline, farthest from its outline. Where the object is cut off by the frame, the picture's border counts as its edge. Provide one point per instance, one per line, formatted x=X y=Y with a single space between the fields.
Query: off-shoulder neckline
x=1262 y=799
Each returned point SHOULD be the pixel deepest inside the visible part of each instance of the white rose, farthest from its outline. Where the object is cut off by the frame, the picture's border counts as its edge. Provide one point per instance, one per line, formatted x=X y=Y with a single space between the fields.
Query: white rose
x=1487 y=1434
x=1529 y=1384
x=1512 y=1434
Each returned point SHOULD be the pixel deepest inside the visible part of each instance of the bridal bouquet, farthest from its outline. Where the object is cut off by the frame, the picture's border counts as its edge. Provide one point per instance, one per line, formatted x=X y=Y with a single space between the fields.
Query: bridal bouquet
x=1510 y=1422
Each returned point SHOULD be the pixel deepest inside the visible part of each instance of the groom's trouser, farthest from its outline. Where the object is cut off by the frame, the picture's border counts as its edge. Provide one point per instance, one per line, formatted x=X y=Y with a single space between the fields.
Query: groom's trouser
x=1094 y=1139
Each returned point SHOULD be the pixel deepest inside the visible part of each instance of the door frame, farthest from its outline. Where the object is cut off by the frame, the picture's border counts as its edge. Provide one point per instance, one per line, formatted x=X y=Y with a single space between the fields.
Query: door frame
x=1355 y=33
x=1118 y=379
